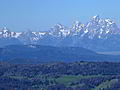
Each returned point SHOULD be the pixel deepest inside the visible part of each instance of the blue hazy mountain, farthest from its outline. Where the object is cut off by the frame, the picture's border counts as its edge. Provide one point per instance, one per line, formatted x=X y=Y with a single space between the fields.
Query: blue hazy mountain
x=98 y=35
x=38 y=53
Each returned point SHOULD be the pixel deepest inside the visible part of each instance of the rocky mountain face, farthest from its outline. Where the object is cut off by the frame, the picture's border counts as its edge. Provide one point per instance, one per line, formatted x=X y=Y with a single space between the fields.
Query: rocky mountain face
x=97 y=34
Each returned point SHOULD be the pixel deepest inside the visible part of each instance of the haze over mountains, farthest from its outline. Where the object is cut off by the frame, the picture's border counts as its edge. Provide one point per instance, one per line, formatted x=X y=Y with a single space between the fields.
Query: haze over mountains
x=39 y=54
x=36 y=53
x=98 y=35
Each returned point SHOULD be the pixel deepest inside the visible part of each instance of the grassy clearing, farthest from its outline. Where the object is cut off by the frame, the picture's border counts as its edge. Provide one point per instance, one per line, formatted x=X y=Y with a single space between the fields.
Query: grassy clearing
x=67 y=79
x=71 y=78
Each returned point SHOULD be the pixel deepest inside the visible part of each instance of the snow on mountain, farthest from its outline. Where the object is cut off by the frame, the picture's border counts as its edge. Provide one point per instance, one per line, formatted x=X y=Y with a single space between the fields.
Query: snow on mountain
x=29 y=37
x=92 y=35
x=101 y=28
x=77 y=28
x=17 y=34
x=95 y=28
x=4 y=32
x=59 y=31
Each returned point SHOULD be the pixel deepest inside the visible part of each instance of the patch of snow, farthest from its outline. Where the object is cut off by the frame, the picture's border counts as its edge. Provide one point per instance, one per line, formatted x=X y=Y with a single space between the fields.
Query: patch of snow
x=5 y=31
x=88 y=24
x=41 y=33
x=65 y=32
x=32 y=46
x=35 y=38
x=34 y=33
x=109 y=21
x=99 y=36
x=107 y=31
x=17 y=34
x=0 y=32
x=86 y=31
x=101 y=31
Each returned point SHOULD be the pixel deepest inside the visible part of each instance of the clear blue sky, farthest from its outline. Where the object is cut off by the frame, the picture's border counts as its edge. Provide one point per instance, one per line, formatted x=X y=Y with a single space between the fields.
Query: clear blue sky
x=19 y=15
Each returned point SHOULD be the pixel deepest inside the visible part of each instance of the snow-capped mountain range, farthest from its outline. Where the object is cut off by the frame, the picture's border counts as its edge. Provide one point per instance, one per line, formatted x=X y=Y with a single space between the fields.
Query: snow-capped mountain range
x=97 y=34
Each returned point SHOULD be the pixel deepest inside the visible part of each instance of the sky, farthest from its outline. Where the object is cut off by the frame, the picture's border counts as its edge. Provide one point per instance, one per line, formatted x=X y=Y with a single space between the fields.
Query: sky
x=20 y=15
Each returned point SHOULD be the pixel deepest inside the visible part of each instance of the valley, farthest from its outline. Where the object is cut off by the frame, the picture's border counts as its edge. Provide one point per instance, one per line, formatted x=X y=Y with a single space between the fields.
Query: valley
x=80 y=75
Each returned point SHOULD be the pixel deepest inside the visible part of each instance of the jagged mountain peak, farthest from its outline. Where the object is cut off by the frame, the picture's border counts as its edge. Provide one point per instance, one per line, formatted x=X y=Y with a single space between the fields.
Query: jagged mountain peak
x=77 y=28
x=5 y=32
x=59 y=25
x=109 y=21
x=97 y=30
x=101 y=28
x=29 y=31
x=59 y=30
x=4 y=29
x=96 y=18
x=56 y=27
x=77 y=24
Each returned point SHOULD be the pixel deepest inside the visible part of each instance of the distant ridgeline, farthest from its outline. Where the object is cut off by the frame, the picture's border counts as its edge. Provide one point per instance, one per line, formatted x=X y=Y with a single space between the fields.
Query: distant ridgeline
x=38 y=54
x=97 y=35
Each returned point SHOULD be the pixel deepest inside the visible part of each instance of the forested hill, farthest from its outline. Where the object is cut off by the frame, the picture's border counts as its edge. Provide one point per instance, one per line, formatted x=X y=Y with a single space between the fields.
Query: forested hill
x=60 y=76
x=38 y=53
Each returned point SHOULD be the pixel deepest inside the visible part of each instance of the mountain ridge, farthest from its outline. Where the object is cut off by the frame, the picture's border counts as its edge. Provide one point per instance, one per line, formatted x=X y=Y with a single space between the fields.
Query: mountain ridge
x=97 y=35
x=39 y=53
